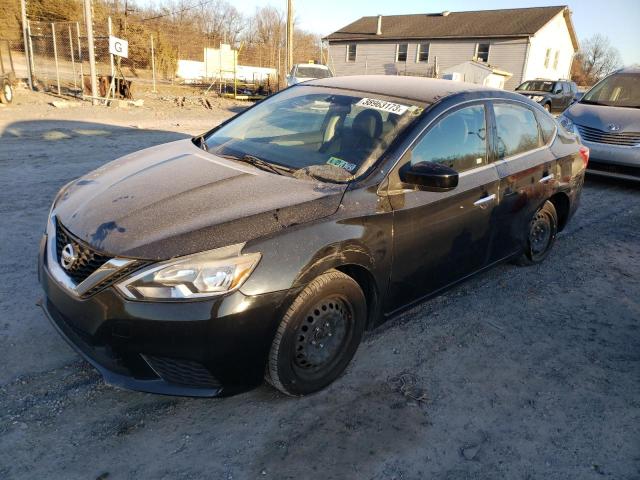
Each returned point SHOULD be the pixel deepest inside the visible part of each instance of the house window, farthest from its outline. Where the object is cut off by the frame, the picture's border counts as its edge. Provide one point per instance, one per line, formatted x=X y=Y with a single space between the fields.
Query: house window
x=482 y=52
x=423 y=53
x=547 y=57
x=351 y=52
x=401 y=52
x=555 y=60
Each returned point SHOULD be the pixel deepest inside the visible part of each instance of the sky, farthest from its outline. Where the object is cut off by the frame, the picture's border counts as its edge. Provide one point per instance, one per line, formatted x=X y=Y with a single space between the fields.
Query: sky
x=617 y=19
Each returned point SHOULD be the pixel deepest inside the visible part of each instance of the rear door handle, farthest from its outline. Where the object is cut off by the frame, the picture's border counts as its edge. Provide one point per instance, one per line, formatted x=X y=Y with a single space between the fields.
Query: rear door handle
x=484 y=200
x=547 y=178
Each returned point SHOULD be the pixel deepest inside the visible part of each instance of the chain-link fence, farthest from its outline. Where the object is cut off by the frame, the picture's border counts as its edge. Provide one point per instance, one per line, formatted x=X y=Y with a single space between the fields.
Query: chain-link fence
x=56 y=55
x=166 y=52
x=60 y=60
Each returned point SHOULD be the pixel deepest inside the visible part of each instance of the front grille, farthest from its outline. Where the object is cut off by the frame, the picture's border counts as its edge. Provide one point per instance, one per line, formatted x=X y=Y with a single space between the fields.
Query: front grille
x=88 y=260
x=114 y=278
x=627 y=139
x=182 y=372
x=611 y=168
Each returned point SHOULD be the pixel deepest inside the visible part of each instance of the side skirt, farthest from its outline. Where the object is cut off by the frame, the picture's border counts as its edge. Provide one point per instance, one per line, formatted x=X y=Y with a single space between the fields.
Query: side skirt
x=435 y=293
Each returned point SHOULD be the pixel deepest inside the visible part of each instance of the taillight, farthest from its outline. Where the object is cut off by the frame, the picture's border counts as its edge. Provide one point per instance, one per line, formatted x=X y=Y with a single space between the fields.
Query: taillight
x=584 y=153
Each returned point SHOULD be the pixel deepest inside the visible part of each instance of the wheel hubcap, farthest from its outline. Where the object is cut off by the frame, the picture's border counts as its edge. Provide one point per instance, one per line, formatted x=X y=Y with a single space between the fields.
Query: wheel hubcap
x=322 y=333
x=7 y=92
x=539 y=234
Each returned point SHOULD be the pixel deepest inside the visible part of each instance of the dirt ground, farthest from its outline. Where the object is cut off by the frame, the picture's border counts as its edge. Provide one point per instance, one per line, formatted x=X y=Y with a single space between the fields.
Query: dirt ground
x=524 y=373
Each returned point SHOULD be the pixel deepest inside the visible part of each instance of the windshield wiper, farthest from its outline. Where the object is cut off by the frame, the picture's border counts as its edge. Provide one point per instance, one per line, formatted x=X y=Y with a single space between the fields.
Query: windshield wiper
x=593 y=102
x=260 y=163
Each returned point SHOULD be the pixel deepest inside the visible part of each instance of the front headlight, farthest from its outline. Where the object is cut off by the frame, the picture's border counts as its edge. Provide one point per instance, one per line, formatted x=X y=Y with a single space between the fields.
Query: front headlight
x=567 y=123
x=205 y=274
x=537 y=98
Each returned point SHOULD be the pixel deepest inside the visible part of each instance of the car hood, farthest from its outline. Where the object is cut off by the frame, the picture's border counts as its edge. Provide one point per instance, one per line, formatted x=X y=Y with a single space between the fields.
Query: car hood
x=176 y=199
x=600 y=117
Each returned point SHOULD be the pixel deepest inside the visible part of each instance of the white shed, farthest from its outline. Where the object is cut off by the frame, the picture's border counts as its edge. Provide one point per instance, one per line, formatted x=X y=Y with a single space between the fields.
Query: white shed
x=477 y=72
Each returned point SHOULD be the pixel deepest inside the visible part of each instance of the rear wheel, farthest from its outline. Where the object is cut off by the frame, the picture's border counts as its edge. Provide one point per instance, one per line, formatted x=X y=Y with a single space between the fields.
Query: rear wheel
x=318 y=335
x=541 y=236
x=6 y=94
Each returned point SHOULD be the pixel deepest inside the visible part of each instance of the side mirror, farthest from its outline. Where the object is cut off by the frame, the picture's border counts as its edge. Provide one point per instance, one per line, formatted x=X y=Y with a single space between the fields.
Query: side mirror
x=430 y=176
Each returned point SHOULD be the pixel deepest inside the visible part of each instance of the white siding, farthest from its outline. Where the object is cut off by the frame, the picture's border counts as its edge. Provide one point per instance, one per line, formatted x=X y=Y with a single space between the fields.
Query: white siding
x=379 y=57
x=555 y=37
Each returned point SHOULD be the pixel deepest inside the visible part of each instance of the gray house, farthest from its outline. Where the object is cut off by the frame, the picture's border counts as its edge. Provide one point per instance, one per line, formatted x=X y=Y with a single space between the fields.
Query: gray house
x=525 y=42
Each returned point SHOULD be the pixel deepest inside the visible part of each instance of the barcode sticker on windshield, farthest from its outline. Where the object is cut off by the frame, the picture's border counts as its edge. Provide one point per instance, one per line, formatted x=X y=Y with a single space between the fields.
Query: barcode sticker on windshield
x=383 y=105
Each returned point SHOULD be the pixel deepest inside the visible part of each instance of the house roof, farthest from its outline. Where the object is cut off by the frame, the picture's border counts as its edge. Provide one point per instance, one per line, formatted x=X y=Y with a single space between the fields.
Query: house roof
x=512 y=22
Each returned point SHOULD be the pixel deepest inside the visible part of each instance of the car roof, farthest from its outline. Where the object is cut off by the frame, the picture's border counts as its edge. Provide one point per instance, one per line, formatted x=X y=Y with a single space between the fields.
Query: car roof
x=312 y=65
x=426 y=90
x=632 y=69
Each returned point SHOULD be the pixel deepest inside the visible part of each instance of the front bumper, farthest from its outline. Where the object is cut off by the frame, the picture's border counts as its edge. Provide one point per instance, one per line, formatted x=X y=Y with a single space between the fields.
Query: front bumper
x=613 y=160
x=200 y=348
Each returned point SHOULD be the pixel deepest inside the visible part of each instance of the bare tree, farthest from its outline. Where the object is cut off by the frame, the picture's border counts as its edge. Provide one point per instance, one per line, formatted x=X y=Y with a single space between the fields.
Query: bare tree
x=221 y=21
x=268 y=30
x=596 y=59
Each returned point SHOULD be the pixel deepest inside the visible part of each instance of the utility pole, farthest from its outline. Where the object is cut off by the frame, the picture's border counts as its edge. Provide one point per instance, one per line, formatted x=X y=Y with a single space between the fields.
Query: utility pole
x=289 y=63
x=23 y=8
x=88 y=20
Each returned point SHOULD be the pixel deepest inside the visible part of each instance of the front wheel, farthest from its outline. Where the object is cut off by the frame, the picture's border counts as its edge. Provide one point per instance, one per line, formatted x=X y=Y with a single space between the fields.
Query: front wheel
x=541 y=235
x=318 y=336
x=547 y=107
x=6 y=94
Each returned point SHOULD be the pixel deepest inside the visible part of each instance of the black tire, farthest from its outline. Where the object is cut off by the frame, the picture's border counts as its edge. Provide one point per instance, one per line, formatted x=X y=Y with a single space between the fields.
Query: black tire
x=6 y=93
x=541 y=235
x=329 y=313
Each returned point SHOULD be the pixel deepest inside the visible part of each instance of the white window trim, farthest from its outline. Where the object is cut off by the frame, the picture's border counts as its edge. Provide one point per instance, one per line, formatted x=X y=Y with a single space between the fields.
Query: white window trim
x=547 y=58
x=398 y=51
x=488 y=50
x=355 y=57
x=418 y=51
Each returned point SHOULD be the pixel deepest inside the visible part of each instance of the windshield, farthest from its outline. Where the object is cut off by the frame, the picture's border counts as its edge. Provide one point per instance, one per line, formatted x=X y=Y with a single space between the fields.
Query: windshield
x=329 y=134
x=536 y=86
x=618 y=90
x=312 y=72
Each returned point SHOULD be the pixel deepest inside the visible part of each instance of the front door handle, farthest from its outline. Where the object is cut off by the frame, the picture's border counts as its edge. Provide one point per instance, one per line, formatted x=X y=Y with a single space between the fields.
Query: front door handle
x=485 y=200
x=547 y=178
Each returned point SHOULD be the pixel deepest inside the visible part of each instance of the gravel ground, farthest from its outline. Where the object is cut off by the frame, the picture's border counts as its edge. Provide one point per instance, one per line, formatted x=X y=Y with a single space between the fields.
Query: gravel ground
x=526 y=373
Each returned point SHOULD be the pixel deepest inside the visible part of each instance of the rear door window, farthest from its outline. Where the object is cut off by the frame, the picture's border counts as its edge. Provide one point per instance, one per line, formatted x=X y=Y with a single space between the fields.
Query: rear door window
x=458 y=140
x=547 y=126
x=516 y=129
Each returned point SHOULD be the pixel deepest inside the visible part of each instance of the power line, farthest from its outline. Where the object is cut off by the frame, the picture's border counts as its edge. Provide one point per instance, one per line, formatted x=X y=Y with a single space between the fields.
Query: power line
x=202 y=4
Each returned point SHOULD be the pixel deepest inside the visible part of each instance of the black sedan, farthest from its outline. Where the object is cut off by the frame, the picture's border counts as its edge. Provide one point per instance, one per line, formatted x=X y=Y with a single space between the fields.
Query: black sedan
x=268 y=245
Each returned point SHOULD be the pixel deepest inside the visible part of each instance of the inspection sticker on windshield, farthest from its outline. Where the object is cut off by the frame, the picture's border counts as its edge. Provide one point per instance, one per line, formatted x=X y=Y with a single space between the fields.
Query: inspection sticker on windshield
x=338 y=162
x=382 y=105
